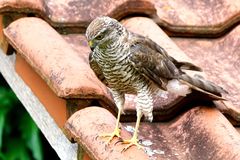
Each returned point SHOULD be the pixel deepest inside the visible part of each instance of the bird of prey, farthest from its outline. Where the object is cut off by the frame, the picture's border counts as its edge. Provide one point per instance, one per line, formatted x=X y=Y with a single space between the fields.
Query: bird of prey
x=128 y=63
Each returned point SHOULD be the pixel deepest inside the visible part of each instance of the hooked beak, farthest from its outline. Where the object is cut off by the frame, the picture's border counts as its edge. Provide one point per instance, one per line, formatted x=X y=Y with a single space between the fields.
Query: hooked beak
x=91 y=45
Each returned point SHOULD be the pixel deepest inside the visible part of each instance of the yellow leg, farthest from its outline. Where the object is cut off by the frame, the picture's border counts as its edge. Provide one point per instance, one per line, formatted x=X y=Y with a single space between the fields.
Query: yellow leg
x=116 y=132
x=134 y=139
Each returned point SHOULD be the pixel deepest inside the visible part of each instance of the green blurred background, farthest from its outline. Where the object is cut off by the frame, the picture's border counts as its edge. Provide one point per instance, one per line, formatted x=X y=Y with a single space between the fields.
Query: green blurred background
x=20 y=138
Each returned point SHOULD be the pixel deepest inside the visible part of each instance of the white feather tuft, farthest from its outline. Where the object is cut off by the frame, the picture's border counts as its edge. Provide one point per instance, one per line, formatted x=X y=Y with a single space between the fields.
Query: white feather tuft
x=176 y=87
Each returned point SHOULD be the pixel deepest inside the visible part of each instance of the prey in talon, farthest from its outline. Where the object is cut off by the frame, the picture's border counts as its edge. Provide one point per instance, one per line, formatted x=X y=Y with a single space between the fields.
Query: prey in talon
x=128 y=63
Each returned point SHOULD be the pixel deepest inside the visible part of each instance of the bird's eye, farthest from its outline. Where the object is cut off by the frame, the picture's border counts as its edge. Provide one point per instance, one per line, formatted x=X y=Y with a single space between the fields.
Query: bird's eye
x=99 y=37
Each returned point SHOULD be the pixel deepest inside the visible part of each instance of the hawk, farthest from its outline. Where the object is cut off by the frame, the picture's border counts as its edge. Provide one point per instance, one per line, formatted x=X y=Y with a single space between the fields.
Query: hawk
x=128 y=63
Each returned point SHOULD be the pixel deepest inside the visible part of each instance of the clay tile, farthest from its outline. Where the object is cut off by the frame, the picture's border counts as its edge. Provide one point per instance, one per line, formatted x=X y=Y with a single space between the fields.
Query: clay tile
x=202 y=18
x=86 y=125
x=85 y=11
x=177 y=17
x=200 y=133
x=26 y=6
x=215 y=19
x=70 y=13
x=66 y=71
x=191 y=13
x=219 y=59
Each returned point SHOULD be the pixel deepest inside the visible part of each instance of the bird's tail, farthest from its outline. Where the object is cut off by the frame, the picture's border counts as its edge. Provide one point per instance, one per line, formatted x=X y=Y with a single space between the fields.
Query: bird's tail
x=187 y=66
x=200 y=84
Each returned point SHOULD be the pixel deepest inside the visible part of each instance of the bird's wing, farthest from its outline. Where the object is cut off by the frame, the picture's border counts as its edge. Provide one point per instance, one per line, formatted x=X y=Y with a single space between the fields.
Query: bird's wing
x=153 y=63
x=154 y=46
x=97 y=70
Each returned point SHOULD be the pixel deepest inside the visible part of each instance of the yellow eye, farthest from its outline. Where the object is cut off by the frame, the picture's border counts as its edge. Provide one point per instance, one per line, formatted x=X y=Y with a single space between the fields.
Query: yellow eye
x=99 y=37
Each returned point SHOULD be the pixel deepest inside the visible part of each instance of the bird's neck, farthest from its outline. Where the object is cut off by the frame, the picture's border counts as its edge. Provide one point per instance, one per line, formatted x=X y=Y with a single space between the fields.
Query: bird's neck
x=114 y=45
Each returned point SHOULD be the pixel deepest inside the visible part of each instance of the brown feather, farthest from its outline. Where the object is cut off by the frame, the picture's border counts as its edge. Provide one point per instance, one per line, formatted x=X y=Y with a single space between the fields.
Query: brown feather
x=152 y=61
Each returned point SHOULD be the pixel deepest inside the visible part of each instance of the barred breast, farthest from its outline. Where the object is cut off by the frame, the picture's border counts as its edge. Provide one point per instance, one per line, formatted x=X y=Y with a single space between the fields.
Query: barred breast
x=118 y=71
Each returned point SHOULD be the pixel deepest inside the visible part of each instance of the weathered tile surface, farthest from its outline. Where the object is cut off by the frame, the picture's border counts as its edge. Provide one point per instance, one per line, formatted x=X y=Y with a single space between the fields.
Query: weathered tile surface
x=220 y=59
x=203 y=18
x=24 y=6
x=3 y=42
x=79 y=43
x=86 y=125
x=82 y=12
x=201 y=133
x=182 y=17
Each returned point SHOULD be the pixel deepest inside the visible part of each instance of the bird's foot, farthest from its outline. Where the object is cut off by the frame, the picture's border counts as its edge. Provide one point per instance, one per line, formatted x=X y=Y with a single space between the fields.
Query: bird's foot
x=115 y=133
x=131 y=142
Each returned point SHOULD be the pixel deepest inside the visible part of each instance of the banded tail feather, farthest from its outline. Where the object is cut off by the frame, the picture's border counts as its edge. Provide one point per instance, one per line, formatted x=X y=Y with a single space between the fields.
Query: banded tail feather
x=201 y=84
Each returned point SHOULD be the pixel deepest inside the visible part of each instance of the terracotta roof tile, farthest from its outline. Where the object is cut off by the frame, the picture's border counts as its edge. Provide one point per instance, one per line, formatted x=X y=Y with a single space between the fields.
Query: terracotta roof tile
x=43 y=92
x=219 y=58
x=24 y=6
x=79 y=43
x=87 y=124
x=55 y=61
x=201 y=133
x=204 y=18
x=3 y=41
x=73 y=13
x=82 y=12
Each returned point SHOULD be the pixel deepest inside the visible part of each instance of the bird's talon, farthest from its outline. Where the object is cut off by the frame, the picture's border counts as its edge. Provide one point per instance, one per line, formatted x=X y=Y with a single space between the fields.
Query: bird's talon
x=131 y=142
x=115 y=133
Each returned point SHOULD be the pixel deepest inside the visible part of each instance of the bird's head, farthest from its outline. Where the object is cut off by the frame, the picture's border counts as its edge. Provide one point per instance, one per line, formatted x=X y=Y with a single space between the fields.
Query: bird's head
x=103 y=31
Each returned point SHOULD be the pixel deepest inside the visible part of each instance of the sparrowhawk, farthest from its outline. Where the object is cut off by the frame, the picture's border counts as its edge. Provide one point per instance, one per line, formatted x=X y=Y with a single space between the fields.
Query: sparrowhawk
x=128 y=63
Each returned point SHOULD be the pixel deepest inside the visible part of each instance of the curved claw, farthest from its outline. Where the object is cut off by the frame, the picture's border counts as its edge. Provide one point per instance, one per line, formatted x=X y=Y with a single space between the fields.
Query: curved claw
x=115 y=133
x=118 y=141
x=131 y=142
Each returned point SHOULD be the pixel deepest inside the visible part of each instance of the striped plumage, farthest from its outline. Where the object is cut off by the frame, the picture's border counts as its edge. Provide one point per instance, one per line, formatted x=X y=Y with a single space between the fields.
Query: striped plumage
x=132 y=64
x=114 y=66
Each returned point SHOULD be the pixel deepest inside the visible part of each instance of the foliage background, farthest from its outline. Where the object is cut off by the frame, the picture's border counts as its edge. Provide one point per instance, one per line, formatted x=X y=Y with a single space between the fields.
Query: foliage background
x=20 y=138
